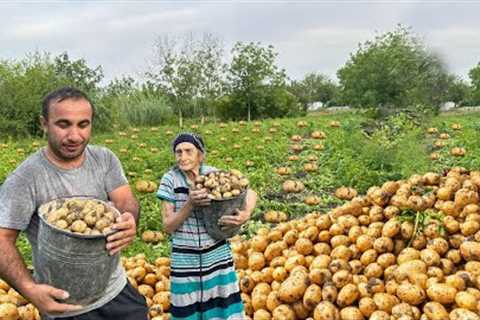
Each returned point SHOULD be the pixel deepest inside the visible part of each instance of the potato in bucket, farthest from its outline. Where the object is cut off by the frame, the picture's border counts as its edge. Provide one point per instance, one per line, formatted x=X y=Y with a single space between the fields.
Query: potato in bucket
x=227 y=190
x=72 y=242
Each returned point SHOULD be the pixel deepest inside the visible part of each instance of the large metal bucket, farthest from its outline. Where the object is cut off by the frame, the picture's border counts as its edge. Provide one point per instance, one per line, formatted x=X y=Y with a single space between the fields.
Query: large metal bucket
x=79 y=264
x=217 y=208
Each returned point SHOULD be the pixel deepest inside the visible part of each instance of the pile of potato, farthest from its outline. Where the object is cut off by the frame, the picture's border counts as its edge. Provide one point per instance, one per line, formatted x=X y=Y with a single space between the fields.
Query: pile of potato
x=80 y=216
x=13 y=306
x=407 y=250
x=152 y=281
x=222 y=185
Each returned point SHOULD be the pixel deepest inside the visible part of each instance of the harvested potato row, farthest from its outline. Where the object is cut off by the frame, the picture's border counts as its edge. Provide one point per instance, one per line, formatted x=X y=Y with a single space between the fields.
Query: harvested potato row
x=80 y=216
x=222 y=185
x=407 y=250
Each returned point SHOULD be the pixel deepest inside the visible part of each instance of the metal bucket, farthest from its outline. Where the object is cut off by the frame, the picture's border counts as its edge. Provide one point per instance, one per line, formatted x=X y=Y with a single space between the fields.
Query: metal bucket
x=79 y=264
x=217 y=208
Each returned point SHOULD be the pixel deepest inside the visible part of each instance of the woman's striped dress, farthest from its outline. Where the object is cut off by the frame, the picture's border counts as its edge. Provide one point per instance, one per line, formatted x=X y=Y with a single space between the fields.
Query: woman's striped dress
x=204 y=284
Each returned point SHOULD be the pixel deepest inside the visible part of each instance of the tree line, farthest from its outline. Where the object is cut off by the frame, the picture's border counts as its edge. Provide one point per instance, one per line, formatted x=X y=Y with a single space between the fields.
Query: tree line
x=191 y=77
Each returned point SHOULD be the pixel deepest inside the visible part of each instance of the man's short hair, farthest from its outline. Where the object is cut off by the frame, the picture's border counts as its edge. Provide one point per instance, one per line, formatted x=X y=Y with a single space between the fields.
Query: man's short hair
x=62 y=94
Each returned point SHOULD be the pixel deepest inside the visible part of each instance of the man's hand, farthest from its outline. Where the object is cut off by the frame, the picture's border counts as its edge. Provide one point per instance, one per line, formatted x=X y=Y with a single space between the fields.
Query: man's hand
x=125 y=234
x=45 y=297
x=199 y=198
x=227 y=222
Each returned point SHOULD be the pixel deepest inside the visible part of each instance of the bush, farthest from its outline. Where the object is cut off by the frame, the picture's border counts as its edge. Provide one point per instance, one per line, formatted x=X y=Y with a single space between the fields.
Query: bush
x=143 y=108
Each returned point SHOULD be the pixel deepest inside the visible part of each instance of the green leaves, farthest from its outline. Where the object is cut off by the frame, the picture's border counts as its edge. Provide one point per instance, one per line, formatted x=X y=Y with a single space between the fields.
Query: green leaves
x=394 y=70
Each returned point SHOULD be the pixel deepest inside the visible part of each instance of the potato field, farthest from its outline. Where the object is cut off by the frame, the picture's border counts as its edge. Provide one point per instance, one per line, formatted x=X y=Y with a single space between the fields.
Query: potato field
x=356 y=219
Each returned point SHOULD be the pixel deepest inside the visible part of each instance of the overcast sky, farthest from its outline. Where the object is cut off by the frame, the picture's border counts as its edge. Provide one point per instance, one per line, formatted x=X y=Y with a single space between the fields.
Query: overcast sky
x=309 y=36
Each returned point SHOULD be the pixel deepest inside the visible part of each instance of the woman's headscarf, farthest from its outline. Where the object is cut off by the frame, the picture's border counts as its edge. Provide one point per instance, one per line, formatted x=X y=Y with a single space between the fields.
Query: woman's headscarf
x=192 y=138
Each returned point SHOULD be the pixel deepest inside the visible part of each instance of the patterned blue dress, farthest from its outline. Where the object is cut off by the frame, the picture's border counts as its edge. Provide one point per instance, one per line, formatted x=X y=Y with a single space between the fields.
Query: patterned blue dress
x=204 y=283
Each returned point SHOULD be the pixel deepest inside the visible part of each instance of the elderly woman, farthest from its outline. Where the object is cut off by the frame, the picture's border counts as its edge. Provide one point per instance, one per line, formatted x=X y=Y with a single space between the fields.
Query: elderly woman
x=203 y=280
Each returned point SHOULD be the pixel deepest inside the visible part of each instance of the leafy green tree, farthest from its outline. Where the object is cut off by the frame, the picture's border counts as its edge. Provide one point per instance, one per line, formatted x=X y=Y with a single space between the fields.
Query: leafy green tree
x=78 y=73
x=393 y=70
x=26 y=81
x=458 y=91
x=189 y=71
x=252 y=70
x=314 y=87
x=474 y=75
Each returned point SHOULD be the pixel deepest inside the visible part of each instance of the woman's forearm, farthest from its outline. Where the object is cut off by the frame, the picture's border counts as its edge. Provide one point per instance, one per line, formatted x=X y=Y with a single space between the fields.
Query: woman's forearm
x=174 y=221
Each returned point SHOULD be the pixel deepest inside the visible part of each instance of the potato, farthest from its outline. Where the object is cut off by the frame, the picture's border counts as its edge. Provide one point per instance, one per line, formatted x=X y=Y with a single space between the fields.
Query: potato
x=262 y=314
x=259 y=301
x=442 y=293
x=284 y=312
x=409 y=267
x=385 y=301
x=470 y=250
x=411 y=293
x=367 y=306
x=341 y=278
x=325 y=310
x=467 y=301
x=351 y=313
x=380 y=315
x=329 y=292
x=430 y=257
x=312 y=296
x=347 y=295
x=402 y=309
x=8 y=311
x=293 y=288
x=463 y=314
x=78 y=226
x=435 y=311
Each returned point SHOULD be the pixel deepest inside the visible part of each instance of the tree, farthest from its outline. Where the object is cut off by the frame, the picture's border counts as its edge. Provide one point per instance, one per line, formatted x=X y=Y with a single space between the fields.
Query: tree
x=251 y=70
x=188 y=71
x=458 y=90
x=314 y=87
x=474 y=75
x=78 y=73
x=26 y=81
x=393 y=70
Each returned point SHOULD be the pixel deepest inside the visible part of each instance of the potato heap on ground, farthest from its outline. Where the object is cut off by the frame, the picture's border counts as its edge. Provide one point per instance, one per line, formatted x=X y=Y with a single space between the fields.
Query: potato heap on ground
x=222 y=185
x=152 y=281
x=408 y=250
x=81 y=216
x=13 y=306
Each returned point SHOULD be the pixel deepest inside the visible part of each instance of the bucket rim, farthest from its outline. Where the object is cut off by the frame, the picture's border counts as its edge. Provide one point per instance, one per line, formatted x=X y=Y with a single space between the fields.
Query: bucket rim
x=72 y=234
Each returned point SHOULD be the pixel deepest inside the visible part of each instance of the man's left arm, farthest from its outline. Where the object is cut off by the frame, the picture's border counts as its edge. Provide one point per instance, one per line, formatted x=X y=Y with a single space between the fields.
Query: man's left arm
x=126 y=225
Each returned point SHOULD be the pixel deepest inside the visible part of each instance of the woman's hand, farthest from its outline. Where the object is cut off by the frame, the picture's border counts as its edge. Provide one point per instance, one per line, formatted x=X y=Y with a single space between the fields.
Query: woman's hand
x=227 y=222
x=199 y=198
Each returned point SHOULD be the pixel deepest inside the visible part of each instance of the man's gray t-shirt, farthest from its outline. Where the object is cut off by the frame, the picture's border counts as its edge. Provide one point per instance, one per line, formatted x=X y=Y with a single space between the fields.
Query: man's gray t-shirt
x=37 y=181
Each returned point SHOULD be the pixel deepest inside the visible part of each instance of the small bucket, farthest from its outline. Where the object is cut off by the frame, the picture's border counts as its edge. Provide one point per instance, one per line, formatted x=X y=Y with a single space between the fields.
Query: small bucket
x=217 y=209
x=78 y=264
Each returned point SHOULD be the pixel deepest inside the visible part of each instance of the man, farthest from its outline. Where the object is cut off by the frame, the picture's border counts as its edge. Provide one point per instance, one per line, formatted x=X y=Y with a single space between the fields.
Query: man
x=68 y=165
